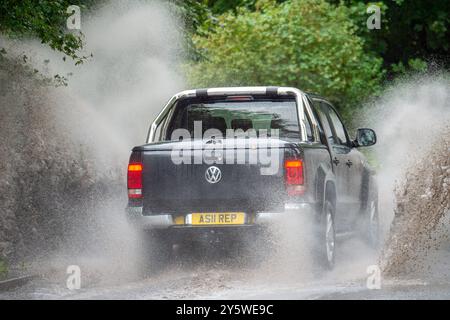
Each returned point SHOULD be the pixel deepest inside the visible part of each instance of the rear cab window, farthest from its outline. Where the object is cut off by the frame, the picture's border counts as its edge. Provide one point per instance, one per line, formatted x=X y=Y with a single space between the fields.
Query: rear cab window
x=258 y=114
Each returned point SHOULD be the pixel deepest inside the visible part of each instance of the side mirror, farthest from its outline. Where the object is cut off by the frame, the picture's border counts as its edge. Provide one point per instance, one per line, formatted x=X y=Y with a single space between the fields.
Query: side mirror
x=365 y=137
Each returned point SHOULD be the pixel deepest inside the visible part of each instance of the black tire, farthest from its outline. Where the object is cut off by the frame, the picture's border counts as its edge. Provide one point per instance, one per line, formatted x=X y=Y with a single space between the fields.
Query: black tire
x=325 y=242
x=371 y=223
x=155 y=252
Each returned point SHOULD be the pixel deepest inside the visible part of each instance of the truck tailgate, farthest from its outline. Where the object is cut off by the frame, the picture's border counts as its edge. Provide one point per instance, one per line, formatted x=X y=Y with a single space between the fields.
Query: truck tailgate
x=183 y=188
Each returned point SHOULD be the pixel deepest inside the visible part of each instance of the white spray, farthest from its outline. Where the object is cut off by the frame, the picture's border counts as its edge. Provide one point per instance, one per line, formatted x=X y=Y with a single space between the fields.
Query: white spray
x=107 y=107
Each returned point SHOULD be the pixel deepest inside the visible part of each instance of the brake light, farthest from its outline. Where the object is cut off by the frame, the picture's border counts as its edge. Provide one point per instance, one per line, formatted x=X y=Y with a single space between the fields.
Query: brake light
x=239 y=98
x=294 y=176
x=135 y=180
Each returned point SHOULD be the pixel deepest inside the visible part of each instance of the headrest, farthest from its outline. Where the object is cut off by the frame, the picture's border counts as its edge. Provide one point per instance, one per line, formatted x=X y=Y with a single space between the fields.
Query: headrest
x=218 y=123
x=243 y=124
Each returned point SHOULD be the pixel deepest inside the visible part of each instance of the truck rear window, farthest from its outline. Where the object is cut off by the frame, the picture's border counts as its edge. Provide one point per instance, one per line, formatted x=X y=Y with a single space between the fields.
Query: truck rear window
x=246 y=115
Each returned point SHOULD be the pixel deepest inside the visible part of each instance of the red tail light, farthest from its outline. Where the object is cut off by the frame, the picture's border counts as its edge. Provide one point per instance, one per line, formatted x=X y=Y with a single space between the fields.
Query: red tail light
x=135 y=180
x=294 y=176
x=239 y=98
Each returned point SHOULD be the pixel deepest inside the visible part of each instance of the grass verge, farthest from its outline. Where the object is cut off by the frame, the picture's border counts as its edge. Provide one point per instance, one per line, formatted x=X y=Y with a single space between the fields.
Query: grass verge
x=3 y=269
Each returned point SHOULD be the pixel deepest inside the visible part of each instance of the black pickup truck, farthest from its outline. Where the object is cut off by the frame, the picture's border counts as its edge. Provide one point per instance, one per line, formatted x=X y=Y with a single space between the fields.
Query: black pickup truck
x=228 y=160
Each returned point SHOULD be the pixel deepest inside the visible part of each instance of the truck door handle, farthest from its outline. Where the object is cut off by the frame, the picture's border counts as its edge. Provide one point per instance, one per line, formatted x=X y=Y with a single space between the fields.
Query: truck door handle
x=336 y=161
x=349 y=163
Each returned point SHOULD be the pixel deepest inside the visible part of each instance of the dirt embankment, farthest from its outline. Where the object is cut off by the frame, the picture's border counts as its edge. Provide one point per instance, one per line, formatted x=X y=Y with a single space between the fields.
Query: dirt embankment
x=47 y=183
x=420 y=225
x=64 y=151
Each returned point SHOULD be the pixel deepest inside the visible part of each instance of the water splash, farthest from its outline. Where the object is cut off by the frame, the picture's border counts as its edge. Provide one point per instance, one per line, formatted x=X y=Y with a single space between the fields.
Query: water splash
x=88 y=130
x=411 y=119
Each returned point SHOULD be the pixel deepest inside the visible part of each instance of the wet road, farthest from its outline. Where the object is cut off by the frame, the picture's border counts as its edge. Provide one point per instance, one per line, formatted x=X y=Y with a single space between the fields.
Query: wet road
x=211 y=278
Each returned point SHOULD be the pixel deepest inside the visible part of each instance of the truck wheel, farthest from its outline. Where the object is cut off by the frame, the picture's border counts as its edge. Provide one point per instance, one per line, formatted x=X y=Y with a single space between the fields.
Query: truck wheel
x=326 y=238
x=372 y=225
x=155 y=252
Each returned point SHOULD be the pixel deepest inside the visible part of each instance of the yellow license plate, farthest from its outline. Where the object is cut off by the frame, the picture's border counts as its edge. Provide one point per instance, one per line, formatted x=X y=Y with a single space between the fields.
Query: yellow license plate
x=218 y=218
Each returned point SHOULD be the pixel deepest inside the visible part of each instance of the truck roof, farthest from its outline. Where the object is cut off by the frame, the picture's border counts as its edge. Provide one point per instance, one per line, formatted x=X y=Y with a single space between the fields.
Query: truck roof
x=263 y=90
x=221 y=91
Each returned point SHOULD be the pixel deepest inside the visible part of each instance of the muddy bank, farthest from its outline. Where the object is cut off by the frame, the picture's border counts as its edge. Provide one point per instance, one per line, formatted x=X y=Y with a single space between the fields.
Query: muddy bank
x=421 y=222
x=64 y=151
x=48 y=187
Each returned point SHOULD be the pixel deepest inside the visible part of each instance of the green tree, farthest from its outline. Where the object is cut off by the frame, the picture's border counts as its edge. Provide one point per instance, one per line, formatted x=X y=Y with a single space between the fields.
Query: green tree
x=412 y=32
x=309 y=44
x=44 y=19
x=418 y=30
x=413 y=36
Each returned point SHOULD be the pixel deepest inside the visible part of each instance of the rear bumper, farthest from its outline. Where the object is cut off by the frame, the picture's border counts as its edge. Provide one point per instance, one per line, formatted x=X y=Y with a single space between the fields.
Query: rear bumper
x=166 y=221
x=161 y=221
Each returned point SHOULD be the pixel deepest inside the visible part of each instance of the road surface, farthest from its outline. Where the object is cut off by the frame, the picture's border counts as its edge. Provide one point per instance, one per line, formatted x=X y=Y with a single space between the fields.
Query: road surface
x=215 y=277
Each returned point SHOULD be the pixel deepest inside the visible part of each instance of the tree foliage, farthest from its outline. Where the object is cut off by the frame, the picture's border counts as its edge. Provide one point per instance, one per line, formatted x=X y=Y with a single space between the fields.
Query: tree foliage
x=44 y=19
x=413 y=36
x=412 y=32
x=321 y=45
x=308 y=44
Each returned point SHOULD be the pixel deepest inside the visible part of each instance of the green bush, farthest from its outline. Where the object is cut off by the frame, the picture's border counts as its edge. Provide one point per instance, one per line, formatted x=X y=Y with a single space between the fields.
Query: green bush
x=309 y=44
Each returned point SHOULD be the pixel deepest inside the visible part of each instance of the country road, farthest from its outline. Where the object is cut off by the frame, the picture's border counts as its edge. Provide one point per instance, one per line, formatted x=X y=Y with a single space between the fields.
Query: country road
x=222 y=278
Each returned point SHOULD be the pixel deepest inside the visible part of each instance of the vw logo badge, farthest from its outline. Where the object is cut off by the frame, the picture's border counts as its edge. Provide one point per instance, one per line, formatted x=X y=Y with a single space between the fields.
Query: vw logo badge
x=213 y=174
